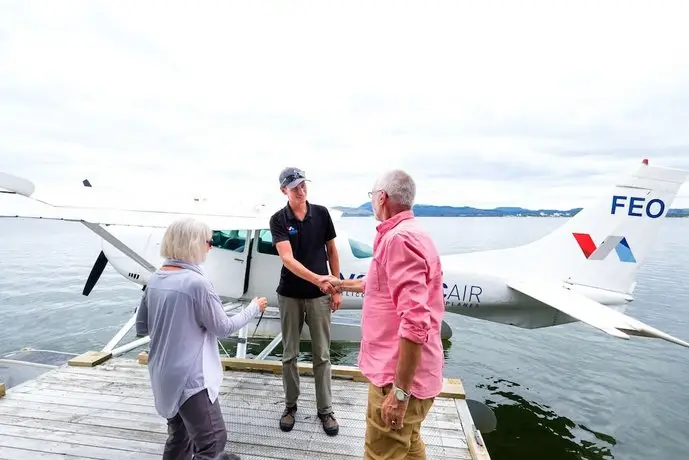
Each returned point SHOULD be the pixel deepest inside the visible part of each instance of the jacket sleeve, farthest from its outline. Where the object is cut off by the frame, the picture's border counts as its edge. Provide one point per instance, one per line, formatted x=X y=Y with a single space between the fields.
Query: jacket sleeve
x=142 y=317
x=210 y=313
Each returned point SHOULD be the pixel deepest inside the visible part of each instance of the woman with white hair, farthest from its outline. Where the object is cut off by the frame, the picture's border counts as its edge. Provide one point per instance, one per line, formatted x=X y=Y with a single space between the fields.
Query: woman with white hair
x=184 y=318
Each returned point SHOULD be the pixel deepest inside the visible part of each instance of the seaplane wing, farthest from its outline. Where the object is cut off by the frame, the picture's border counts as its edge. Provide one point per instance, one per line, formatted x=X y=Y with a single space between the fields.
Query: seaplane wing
x=108 y=215
x=98 y=217
x=135 y=218
x=589 y=311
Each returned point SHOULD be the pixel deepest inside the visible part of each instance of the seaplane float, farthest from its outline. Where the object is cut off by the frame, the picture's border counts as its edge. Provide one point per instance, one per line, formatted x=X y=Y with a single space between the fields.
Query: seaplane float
x=585 y=270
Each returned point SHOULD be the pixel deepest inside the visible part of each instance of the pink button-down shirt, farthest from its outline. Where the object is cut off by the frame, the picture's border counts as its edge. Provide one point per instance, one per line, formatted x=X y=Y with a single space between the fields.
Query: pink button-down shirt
x=403 y=297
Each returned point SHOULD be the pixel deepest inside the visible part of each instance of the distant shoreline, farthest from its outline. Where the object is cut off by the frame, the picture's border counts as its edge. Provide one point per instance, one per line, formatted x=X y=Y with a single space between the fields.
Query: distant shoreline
x=503 y=216
x=423 y=210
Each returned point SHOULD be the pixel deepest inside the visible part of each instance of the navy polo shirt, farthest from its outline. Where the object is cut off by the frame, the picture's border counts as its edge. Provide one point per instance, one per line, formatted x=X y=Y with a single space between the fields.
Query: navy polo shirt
x=307 y=238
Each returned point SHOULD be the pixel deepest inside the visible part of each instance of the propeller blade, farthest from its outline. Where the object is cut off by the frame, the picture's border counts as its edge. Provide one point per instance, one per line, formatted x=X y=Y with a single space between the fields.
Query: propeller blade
x=96 y=271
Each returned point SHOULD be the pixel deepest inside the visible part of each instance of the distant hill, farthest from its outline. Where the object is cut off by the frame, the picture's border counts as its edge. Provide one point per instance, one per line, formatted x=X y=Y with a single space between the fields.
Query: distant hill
x=427 y=210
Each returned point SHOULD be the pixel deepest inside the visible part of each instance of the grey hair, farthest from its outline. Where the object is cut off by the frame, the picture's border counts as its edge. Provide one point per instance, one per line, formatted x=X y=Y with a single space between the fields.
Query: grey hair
x=399 y=186
x=185 y=240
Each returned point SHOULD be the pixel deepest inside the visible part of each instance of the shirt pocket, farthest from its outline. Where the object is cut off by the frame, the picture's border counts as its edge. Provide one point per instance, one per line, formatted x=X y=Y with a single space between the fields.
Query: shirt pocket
x=379 y=277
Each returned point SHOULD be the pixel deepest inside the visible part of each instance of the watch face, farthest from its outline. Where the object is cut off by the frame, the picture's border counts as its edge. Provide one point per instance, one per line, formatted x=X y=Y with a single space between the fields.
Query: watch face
x=399 y=395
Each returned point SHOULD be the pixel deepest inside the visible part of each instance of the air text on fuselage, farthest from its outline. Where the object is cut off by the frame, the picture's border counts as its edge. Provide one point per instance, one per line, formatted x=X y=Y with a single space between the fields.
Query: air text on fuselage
x=455 y=295
x=458 y=295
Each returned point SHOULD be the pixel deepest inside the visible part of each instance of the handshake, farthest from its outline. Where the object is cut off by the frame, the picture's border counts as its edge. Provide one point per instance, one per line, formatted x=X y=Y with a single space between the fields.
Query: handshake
x=329 y=284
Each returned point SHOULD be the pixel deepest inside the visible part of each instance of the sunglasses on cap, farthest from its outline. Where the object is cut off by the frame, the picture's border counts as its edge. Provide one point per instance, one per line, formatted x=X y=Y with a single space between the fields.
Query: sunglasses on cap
x=298 y=174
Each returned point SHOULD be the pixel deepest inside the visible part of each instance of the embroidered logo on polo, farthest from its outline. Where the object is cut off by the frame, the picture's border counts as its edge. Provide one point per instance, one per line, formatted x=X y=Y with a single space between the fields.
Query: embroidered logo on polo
x=291 y=230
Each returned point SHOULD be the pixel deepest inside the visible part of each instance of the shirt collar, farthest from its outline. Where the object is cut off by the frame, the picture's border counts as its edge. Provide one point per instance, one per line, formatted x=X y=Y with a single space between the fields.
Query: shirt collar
x=290 y=213
x=390 y=223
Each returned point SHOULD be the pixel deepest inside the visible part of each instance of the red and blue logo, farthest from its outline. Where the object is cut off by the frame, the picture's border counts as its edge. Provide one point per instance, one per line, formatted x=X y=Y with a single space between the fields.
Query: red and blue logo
x=612 y=242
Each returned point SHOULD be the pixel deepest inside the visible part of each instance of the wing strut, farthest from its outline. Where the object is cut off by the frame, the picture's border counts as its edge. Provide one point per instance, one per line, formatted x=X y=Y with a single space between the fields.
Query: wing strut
x=110 y=238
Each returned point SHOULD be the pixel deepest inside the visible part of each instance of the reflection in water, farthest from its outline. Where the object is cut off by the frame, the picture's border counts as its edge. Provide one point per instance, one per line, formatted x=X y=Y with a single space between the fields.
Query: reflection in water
x=528 y=430
x=340 y=352
x=343 y=353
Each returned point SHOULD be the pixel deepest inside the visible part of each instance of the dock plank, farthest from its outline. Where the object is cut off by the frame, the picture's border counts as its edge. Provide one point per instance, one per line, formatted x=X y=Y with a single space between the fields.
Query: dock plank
x=107 y=412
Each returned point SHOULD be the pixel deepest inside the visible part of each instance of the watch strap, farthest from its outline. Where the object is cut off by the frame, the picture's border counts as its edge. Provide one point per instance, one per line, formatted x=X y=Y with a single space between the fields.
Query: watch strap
x=396 y=389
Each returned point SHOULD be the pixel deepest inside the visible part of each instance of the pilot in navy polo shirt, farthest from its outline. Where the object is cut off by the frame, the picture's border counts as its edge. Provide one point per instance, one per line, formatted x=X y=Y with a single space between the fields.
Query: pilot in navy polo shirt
x=307 y=238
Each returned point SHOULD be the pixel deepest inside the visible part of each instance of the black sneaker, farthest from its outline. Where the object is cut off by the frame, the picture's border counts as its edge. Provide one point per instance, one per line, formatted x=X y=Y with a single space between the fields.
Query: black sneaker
x=287 y=419
x=330 y=425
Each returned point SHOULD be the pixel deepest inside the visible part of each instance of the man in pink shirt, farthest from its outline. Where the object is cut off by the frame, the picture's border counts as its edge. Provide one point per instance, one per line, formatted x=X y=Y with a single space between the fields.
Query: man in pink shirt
x=401 y=352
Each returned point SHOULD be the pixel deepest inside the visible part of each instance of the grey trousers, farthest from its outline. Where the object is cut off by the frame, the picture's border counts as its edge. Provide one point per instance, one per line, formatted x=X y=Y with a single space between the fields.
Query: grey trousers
x=198 y=429
x=317 y=315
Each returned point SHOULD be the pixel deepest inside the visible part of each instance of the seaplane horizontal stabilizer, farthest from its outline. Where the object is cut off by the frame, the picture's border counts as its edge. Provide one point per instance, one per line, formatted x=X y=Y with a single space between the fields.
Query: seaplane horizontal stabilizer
x=589 y=311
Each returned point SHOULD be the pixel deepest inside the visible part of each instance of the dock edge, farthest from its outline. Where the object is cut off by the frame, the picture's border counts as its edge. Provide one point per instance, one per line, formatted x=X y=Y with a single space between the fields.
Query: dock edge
x=477 y=447
x=452 y=387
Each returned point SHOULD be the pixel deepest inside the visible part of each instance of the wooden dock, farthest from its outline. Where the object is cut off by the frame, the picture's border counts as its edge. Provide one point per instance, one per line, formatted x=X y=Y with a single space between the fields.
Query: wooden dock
x=100 y=408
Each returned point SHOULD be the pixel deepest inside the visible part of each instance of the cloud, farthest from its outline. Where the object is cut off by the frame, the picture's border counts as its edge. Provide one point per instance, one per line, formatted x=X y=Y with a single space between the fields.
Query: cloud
x=538 y=105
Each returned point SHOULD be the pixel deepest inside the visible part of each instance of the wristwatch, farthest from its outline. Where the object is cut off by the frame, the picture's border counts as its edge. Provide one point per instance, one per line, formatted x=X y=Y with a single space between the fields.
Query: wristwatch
x=400 y=394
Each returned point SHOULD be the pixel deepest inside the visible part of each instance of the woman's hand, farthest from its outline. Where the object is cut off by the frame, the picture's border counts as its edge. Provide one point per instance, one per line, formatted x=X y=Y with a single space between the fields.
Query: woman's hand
x=262 y=303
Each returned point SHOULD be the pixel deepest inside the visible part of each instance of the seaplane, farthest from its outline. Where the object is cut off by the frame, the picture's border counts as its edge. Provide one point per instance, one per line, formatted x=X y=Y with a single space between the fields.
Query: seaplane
x=585 y=270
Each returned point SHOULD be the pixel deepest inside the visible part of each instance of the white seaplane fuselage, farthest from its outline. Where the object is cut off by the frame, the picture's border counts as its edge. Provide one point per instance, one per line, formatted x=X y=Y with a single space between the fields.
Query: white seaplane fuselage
x=244 y=264
x=583 y=271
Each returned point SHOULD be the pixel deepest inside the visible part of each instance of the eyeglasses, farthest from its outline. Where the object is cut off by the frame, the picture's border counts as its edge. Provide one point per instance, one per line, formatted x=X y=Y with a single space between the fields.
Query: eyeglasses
x=370 y=194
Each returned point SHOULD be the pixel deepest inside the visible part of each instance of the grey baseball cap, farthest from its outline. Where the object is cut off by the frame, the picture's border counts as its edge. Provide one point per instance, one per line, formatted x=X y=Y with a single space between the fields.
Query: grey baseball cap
x=291 y=177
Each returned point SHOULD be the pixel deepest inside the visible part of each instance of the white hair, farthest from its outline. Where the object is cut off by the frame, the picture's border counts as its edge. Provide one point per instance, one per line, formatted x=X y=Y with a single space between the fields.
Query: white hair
x=399 y=186
x=185 y=240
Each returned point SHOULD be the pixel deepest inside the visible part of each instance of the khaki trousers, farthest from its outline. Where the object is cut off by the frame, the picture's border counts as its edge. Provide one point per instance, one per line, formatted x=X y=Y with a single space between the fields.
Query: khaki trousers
x=317 y=315
x=384 y=443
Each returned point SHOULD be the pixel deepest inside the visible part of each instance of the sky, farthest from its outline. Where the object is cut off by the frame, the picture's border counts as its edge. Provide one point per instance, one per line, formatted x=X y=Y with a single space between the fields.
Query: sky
x=534 y=104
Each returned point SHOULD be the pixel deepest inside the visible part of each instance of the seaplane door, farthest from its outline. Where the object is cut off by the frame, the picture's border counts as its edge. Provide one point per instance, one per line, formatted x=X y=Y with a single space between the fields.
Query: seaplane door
x=227 y=261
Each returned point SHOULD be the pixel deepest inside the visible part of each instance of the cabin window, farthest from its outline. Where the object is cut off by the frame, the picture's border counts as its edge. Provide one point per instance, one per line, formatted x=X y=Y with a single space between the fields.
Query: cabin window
x=360 y=250
x=265 y=246
x=234 y=240
x=265 y=243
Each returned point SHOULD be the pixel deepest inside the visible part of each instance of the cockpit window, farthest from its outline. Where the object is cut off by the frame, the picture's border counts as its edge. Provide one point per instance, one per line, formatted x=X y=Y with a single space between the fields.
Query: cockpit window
x=234 y=240
x=265 y=243
x=360 y=250
x=265 y=246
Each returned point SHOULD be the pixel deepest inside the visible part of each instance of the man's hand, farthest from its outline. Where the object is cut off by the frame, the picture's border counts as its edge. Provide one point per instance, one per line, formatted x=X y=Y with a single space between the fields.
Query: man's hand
x=327 y=284
x=392 y=411
x=335 y=301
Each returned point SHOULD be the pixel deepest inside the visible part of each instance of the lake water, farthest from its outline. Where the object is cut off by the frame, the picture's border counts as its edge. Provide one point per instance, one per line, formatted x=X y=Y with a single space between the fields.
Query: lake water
x=568 y=392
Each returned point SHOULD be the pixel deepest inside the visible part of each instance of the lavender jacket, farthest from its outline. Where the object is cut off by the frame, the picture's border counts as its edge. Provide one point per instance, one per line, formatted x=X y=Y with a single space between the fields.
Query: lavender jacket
x=184 y=318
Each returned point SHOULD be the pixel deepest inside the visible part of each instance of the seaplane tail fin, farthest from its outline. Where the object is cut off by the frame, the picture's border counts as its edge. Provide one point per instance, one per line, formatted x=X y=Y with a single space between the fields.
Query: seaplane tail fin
x=589 y=311
x=603 y=245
